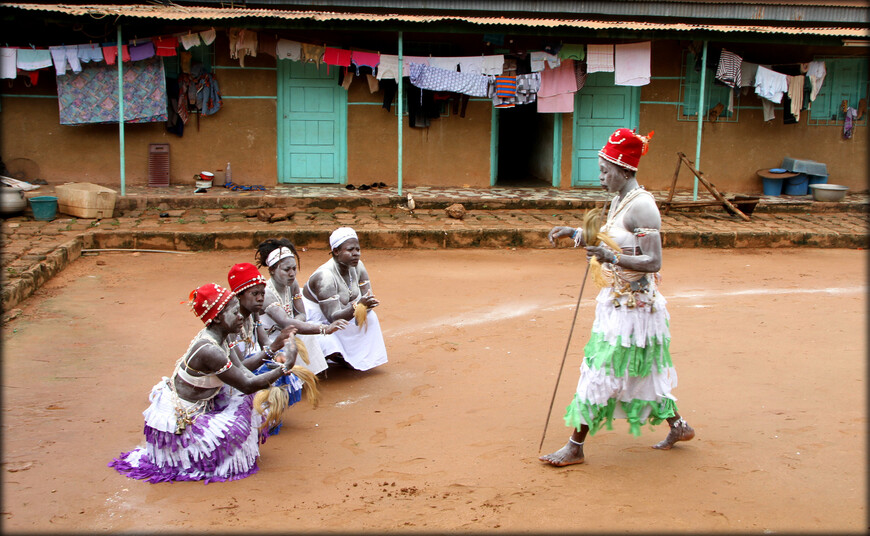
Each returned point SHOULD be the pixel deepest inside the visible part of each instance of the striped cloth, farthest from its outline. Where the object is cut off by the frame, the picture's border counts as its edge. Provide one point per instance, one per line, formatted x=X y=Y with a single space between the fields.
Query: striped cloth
x=728 y=71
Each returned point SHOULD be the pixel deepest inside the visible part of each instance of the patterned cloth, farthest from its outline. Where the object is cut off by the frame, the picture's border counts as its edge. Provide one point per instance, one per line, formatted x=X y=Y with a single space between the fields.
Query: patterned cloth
x=435 y=79
x=91 y=96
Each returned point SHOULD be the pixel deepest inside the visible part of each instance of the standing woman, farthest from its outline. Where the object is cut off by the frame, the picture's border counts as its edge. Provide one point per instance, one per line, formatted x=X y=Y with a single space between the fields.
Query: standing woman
x=283 y=305
x=202 y=423
x=627 y=372
x=341 y=289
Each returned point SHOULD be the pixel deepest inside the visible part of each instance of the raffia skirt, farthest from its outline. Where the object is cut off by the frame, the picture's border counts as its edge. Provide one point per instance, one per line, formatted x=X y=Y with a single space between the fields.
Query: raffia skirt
x=627 y=372
x=221 y=444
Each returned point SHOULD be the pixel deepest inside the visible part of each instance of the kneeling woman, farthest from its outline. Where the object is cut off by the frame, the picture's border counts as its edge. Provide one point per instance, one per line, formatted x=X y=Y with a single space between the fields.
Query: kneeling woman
x=283 y=304
x=202 y=423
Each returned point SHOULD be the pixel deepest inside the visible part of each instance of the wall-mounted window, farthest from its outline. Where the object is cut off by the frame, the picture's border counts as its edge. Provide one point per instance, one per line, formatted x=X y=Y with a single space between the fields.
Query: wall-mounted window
x=715 y=93
x=846 y=80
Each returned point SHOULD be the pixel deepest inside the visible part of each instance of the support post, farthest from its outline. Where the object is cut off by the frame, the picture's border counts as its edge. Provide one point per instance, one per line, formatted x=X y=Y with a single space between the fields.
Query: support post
x=121 y=113
x=401 y=111
x=700 y=117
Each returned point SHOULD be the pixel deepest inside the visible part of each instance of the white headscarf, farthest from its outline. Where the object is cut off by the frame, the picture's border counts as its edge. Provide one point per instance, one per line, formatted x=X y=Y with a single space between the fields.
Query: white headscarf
x=340 y=236
x=277 y=255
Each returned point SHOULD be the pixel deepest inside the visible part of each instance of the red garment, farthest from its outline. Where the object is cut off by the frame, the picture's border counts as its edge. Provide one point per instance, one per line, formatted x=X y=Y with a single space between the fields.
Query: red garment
x=111 y=52
x=336 y=56
x=165 y=46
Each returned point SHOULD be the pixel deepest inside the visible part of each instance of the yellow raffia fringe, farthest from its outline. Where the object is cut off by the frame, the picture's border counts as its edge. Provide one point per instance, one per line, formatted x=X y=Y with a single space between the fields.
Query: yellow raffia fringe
x=359 y=314
x=274 y=401
x=302 y=351
x=310 y=381
x=593 y=236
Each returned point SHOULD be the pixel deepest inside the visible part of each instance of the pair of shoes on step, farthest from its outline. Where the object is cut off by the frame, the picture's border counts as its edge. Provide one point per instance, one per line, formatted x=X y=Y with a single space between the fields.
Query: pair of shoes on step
x=244 y=188
x=371 y=186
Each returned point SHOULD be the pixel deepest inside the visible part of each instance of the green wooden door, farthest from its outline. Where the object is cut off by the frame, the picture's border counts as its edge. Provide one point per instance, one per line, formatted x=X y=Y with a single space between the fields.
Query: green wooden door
x=312 y=124
x=600 y=107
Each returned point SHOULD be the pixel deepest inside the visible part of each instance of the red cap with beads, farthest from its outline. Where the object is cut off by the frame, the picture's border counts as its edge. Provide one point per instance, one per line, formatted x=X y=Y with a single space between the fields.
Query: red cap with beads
x=624 y=148
x=208 y=301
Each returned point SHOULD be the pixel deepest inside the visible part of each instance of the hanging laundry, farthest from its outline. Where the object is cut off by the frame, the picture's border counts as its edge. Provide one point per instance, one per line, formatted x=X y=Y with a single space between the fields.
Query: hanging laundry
x=142 y=51
x=184 y=58
x=312 y=54
x=90 y=52
x=190 y=40
x=557 y=89
x=336 y=56
x=851 y=114
x=471 y=64
x=8 y=63
x=390 y=87
x=29 y=59
x=208 y=36
x=599 y=58
x=110 y=53
x=242 y=43
x=540 y=60
x=631 y=64
x=770 y=85
x=388 y=68
x=747 y=73
x=528 y=86
x=505 y=91
x=267 y=44
x=365 y=59
x=572 y=52
x=199 y=90
x=493 y=65
x=767 y=110
x=728 y=70
x=796 y=95
x=448 y=64
x=374 y=85
x=436 y=79
x=65 y=56
x=559 y=80
x=580 y=73
x=408 y=60
x=816 y=72
x=91 y=96
x=165 y=46
x=288 y=50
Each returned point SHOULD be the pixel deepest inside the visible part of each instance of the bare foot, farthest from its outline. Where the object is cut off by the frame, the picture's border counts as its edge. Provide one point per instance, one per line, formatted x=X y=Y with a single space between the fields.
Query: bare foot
x=570 y=454
x=680 y=431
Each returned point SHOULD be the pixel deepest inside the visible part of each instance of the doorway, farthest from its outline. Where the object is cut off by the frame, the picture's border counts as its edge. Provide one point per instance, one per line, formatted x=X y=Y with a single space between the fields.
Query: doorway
x=524 y=147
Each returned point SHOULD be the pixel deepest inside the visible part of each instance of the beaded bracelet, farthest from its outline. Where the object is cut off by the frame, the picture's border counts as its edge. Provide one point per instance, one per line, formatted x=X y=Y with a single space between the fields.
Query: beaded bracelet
x=269 y=353
x=323 y=329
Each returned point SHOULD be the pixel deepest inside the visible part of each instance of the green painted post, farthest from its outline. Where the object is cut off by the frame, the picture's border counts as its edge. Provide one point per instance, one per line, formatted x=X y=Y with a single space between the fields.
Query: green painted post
x=700 y=119
x=493 y=147
x=557 y=150
x=401 y=110
x=121 y=112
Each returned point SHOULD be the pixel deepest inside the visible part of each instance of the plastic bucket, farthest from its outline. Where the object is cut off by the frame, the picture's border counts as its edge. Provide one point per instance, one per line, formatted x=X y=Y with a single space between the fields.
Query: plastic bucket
x=772 y=186
x=44 y=207
x=796 y=185
x=817 y=179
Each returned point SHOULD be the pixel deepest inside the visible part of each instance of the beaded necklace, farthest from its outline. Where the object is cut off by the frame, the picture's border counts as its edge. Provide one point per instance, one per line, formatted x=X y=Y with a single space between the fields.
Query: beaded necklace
x=347 y=285
x=623 y=204
x=284 y=298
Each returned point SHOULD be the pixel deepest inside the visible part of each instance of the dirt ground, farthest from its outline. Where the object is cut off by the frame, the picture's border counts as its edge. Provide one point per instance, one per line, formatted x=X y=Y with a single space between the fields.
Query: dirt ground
x=770 y=347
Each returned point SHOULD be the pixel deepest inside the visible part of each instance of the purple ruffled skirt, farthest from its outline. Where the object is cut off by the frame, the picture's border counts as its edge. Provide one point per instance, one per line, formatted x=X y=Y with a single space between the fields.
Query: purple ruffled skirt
x=222 y=444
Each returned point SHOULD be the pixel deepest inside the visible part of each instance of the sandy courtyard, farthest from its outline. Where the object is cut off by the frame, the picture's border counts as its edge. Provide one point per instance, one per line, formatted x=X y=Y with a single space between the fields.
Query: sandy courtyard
x=770 y=347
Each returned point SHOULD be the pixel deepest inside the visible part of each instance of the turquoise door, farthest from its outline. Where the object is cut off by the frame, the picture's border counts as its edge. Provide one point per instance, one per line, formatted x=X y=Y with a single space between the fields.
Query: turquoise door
x=312 y=124
x=599 y=108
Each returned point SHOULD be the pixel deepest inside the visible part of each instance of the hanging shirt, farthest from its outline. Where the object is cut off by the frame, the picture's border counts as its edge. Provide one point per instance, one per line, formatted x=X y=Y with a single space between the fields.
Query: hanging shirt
x=631 y=64
x=770 y=85
x=288 y=50
x=141 y=52
x=747 y=73
x=364 y=59
x=558 y=81
x=190 y=40
x=9 y=63
x=728 y=71
x=90 y=52
x=572 y=52
x=336 y=56
x=796 y=95
x=165 y=46
x=816 y=71
x=208 y=36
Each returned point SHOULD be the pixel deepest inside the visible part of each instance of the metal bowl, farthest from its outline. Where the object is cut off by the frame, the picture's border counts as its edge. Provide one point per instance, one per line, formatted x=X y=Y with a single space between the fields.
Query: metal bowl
x=828 y=192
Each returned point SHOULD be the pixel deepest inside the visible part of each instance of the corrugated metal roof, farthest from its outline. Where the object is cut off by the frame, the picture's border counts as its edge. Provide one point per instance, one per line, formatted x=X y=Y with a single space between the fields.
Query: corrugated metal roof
x=830 y=11
x=176 y=12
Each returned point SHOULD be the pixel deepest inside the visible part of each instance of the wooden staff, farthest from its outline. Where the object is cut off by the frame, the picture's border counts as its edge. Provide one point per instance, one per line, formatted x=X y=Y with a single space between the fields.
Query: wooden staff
x=568 y=344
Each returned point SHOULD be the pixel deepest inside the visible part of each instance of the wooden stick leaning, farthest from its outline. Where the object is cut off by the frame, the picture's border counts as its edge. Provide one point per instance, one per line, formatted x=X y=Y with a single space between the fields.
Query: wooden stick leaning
x=570 y=332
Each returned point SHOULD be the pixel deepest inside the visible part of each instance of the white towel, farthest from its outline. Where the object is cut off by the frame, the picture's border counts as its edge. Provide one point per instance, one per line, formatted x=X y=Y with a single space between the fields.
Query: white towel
x=599 y=58
x=632 y=64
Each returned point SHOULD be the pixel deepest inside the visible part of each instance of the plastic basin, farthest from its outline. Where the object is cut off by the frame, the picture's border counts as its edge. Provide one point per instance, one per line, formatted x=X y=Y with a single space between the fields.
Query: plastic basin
x=44 y=207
